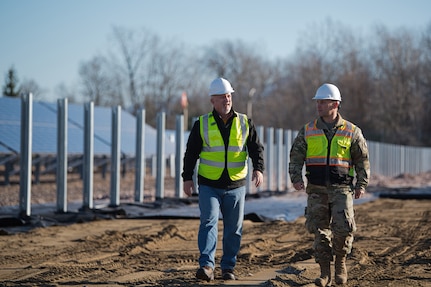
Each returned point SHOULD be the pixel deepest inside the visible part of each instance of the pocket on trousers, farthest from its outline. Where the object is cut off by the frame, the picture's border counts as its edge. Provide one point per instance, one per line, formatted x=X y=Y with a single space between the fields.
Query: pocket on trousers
x=344 y=222
x=349 y=221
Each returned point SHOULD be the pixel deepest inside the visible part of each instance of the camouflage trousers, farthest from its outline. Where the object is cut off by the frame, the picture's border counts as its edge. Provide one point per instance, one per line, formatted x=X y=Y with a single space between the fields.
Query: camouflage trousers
x=330 y=217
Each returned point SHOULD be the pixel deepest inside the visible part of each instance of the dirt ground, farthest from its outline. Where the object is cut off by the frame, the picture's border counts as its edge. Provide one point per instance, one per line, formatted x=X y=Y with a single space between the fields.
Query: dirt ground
x=392 y=247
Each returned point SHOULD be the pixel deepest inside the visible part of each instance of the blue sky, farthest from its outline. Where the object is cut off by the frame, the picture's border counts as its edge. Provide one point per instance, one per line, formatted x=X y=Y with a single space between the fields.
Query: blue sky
x=46 y=40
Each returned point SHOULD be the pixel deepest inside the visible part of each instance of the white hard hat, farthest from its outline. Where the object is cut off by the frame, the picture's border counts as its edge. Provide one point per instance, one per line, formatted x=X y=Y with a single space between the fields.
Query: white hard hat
x=220 y=86
x=328 y=92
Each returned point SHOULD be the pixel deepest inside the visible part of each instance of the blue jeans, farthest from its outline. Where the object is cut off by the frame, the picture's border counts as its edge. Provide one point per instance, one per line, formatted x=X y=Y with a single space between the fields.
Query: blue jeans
x=231 y=204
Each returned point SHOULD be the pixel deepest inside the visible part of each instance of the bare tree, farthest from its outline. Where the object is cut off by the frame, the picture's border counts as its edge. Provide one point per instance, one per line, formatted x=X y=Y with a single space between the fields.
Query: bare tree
x=328 y=52
x=167 y=75
x=384 y=79
x=398 y=103
x=134 y=49
x=95 y=82
x=244 y=67
x=62 y=91
x=31 y=86
x=302 y=76
x=425 y=73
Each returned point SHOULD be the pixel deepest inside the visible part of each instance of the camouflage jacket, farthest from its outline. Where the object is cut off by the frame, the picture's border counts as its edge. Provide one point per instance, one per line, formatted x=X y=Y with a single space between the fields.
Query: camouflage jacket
x=358 y=151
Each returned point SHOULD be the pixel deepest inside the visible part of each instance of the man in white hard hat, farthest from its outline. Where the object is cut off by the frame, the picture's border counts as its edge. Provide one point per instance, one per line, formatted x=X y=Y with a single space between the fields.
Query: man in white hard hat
x=222 y=140
x=334 y=150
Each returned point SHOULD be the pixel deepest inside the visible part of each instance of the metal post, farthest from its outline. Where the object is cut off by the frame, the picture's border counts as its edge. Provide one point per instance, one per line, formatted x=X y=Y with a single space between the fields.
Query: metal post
x=62 y=137
x=172 y=165
x=140 y=156
x=179 y=153
x=154 y=165
x=279 y=157
x=26 y=154
x=88 y=155
x=195 y=170
x=269 y=156
x=287 y=145
x=115 y=156
x=160 y=178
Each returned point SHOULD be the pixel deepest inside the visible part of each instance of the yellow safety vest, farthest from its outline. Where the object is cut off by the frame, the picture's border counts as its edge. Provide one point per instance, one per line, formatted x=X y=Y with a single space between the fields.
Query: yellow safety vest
x=329 y=163
x=214 y=157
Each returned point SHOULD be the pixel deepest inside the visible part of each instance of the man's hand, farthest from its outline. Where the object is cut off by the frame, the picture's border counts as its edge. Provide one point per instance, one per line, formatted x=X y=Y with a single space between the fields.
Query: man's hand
x=299 y=185
x=359 y=193
x=188 y=187
x=257 y=176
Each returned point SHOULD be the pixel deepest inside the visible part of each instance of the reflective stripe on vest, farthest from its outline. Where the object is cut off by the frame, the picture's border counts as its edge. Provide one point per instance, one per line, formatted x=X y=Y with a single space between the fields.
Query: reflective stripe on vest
x=339 y=152
x=213 y=158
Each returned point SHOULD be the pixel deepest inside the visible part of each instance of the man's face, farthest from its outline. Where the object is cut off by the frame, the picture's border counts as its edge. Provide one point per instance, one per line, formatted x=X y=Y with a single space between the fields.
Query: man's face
x=222 y=103
x=326 y=107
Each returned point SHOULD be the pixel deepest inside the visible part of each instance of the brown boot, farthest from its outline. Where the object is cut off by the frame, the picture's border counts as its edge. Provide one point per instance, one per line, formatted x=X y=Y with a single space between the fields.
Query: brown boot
x=325 y=274
x=340 y=270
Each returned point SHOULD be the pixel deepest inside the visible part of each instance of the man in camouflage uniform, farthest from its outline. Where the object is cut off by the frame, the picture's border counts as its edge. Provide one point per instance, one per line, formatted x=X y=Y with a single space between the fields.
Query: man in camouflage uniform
x=333 y=150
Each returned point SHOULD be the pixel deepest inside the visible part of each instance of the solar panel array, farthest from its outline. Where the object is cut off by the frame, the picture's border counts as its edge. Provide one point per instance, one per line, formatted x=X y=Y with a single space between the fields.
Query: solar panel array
x=45 y=130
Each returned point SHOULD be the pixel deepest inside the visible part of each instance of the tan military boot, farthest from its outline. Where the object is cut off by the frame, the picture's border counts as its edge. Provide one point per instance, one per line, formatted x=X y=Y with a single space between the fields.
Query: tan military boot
x=340 y=270
x=325 y=274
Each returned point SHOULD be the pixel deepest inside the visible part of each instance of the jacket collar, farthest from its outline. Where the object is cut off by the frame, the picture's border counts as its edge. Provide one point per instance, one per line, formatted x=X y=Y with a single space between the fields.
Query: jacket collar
x=320 y=124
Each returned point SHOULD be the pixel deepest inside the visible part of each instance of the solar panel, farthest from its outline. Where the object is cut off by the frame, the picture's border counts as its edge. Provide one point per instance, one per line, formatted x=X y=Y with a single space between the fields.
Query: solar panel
x=10 y=123
x=45 y=129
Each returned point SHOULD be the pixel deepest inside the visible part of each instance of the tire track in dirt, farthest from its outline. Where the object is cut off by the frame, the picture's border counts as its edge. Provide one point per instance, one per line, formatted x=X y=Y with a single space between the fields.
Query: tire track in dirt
x=392 y=248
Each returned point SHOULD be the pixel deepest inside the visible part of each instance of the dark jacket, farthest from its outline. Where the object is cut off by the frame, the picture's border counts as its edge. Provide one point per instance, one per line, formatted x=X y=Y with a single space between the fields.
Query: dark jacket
x=194 y=148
